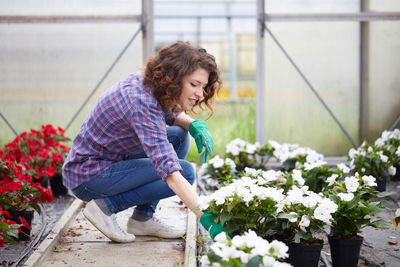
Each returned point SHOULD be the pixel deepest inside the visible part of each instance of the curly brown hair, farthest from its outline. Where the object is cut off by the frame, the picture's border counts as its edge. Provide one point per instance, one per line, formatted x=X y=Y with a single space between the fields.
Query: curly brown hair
x=165 y=70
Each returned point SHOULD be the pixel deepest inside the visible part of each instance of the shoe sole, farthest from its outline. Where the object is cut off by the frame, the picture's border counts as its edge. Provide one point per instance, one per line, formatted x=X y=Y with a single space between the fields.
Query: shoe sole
x=156 y=234
x=93 y=222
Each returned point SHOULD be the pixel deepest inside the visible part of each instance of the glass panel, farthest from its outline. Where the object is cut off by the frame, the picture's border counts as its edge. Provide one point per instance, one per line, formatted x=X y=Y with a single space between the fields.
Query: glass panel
x=384 y=79
x=48 y=70
x=328 y=55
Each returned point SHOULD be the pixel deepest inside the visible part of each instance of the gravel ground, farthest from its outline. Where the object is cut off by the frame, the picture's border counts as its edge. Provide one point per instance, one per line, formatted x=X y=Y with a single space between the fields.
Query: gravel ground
x=10 y=252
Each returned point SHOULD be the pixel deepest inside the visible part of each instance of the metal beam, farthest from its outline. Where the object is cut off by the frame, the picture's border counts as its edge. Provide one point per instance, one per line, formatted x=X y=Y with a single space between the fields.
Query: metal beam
x=70 y=19
x=360 y=16
x=260 y=94
x=147 y=29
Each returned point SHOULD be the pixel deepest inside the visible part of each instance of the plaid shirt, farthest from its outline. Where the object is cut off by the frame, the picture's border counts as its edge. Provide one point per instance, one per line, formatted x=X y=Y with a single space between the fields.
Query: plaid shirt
x=126 y=120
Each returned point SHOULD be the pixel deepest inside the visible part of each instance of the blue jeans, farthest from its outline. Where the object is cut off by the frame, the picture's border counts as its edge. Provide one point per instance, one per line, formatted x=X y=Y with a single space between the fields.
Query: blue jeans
x=135 y=182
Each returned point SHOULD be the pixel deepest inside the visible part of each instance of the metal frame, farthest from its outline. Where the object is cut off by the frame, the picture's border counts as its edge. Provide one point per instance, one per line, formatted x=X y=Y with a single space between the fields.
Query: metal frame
x=361 y=17
x=146 y=19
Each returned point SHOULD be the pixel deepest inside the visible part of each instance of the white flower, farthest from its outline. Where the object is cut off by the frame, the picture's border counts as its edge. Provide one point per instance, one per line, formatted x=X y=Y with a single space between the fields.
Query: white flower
x=369 y=180
x=297 y=177
x=294 y=196
x=231 y=163
x=353 y=153
x=294 y=218
x=351 y=184
x=346 y=196
x=379 y=142
x=322 y=214
x=343 y=167
x=251 y=149
x=216 y=162
x=397 y=214
x=312 y=165
x=332 y=179
x=384 y=158
x=398 y=152
x=305 y=222
x=279 y=249
x=392 y=171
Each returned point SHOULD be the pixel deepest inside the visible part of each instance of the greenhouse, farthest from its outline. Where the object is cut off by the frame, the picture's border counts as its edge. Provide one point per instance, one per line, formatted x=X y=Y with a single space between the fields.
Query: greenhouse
x=291 y=108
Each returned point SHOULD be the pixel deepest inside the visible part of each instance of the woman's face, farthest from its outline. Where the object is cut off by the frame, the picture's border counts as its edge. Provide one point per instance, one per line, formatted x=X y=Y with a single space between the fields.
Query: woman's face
x=192 y=88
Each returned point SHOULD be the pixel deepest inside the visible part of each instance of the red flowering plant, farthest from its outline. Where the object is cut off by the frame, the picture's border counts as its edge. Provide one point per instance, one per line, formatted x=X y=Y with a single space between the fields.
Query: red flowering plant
x=17 y=193
x=40 y=151
x=8 y=229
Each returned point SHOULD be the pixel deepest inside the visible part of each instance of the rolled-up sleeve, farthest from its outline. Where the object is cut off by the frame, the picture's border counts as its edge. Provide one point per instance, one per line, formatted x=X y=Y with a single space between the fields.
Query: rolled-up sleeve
x=149 y=123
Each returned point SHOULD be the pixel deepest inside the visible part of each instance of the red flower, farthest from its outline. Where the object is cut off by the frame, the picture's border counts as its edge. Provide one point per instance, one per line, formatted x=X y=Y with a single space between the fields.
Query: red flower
x=49 y=171
x=1 y=241
x=46 y=195
x=4 y=212
x=57 y=157
x=24 y=223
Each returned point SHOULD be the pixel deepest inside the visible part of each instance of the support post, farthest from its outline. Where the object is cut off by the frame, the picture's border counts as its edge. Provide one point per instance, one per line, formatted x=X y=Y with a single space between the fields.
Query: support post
x=260 y=90
x=147 y=29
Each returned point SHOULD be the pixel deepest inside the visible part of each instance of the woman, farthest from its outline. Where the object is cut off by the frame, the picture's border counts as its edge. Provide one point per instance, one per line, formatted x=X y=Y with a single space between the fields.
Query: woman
x=125 y=156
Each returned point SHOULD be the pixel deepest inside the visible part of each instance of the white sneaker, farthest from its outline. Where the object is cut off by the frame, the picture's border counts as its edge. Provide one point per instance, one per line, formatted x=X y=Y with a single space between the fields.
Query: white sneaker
x=154 y=227
x=108 y=225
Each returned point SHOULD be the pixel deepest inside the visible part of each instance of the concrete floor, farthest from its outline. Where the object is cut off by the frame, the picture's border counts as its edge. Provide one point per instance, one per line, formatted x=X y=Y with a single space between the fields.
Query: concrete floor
x=81 y=244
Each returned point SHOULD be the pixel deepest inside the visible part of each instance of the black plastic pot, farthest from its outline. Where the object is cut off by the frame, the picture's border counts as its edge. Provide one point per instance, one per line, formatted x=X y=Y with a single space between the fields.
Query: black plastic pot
x=28 y=216
x=381 y=184
x=304 y=255
x=345 y=252
x=57 y=186
x=396 y=177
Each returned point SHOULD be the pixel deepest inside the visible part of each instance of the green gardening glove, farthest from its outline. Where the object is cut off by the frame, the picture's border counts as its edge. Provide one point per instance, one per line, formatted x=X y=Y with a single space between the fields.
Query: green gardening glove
x=213 y=228
x=199 y=130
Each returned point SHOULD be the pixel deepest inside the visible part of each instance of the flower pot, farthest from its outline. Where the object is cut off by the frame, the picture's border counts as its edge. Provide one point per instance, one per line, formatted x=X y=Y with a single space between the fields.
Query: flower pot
x=57 y=186
x=381 y=184
x=396 y=177
x=25 y=233
x=44 y=181
x=304 y=255
x=345 y=252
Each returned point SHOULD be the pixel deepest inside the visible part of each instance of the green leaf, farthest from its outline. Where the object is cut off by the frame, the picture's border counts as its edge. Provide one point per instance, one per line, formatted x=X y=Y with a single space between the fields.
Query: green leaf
x=225 y=216
x=381 y=224
x=254 y=262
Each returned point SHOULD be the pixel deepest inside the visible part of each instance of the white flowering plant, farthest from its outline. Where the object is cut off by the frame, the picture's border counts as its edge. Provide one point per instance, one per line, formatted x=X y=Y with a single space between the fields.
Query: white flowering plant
x=244 y=205
x=370 y=160
x=352 y=195
x=217 y=172
x=247 y=249
x=304 y=215
x=246 y=154
x=294 y=156
x=267 y=178
x=390 y=141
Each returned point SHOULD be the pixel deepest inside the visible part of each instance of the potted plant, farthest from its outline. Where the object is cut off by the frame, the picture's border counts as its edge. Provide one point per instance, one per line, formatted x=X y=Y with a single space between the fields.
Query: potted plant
x=18 y=195
x=8 y=229
x=42 y=152
x=246 y=154
x=217 y=172
x=389 y=141
x=370 y=160
x=353 y=196
x=243 y=205
x=303 y=216
x=246 y=249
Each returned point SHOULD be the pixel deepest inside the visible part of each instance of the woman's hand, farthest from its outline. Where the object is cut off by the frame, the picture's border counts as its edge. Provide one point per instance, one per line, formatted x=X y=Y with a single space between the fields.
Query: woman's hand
x=199 y=130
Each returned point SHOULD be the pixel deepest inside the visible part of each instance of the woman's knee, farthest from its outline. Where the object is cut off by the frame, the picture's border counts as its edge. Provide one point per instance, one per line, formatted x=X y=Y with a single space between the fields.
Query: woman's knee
x=189 y=171
x=180 y=140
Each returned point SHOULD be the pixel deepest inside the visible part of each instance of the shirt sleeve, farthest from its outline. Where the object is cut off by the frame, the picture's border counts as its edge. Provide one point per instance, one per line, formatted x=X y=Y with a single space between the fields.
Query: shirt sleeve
x=149 y=123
